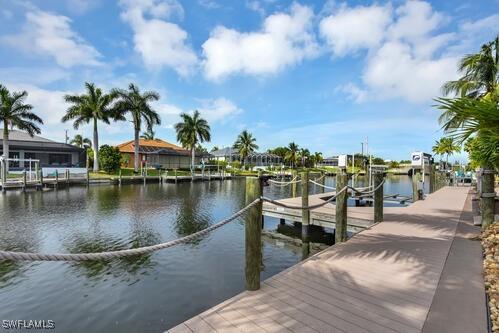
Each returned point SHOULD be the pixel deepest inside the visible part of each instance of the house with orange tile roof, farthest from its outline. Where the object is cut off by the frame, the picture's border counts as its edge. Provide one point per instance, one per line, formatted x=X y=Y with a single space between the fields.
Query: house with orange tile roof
x=160 y=154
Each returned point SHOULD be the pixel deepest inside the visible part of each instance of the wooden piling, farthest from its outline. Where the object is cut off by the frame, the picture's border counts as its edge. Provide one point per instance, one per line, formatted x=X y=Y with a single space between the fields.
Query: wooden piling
x=88 y=177
x=305 y=213
x=431 y=178
x=416 y=192
x=175 y=176
x=487 y=198
x=378 y=197
x=66 y=175
x=24 y=180
x=119 y=177
x=341 y=207
x=294 y=184
x=322 y=181
x=4 y=176
x=253 y=234
x=56 y=179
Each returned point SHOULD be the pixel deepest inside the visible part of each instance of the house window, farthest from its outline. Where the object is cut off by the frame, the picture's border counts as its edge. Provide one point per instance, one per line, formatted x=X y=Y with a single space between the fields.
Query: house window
x=60 y=159
x=28 y=156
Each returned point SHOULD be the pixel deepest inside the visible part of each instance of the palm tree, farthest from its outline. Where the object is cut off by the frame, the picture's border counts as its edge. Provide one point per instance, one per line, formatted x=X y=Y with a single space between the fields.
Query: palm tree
x=304 y=154
x=135 y=103
x=80 y=141
x=92 y=106
x=245 y=144
x=446 y=146
x=14 y=112
x=480 y=73
x=292 y=152
x=148 y=135
x=317 y=158
x=191 y=131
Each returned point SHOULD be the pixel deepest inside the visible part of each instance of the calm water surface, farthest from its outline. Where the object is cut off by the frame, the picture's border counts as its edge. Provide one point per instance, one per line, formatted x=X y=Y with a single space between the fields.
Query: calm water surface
x=139 y=294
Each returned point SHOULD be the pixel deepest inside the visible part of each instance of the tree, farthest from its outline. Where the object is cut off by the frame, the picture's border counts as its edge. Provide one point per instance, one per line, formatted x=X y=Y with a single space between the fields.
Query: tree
x=292 y=152
x=92 y=106
x=191 y=131
x=245 y=144
x=110 y=158
x=81 y=142
x=317 y=158
x=446 y=146
x=215 y=148
x=148 y=135
x=480 y=73
x=136 y=104
x=14 y=112
x=304 y=154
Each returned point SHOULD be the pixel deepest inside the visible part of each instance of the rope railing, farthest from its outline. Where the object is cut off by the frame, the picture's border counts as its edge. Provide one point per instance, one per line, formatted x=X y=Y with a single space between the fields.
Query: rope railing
x=282 y=184
x=278 y=203
x=322 y=185
x=26 y=256
x=367 y=192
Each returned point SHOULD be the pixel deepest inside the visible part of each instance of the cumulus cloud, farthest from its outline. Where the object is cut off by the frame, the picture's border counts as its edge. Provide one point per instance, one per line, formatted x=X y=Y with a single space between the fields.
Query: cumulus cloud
x=405 y=57
x=51 y=35
x=213 y=110
x=159 y=42
x=351 y=29
x=285 y=39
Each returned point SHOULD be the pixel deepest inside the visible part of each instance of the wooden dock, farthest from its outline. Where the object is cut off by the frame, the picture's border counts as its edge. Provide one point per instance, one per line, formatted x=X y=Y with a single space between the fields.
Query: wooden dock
x=401 y=275
x=359 y=218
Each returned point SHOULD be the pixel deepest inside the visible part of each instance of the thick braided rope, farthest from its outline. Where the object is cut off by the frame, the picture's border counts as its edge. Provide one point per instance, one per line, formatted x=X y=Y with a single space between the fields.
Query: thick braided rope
x=277 y=203
x=367 y=192
x=321 y=185
x=8 y=255
x=282 y=184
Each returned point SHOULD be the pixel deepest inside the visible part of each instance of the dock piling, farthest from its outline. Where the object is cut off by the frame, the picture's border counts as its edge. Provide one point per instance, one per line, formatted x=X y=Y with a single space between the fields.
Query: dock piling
x=341 y=207
x=378 y=197
x=305 y=213
x=417 y=193
x=253 y=234
x=24 y=180
x=294 y=174
x=56 y=179
x=487 y=197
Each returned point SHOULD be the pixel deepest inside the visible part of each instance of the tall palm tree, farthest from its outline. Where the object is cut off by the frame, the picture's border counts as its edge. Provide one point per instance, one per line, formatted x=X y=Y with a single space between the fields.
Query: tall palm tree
x=92 y=106
x=191 y=131
x=317 y=158
x=304 y=154
x=446 y=146
x=480 y=73
x=245 y=145
x=148 y=135
x=292 y=153
x=137 y=104
x=15 y=113
x=80 y=141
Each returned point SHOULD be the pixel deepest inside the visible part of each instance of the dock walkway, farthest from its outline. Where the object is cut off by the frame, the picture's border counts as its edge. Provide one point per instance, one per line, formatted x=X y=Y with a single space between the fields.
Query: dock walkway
x=418 y=271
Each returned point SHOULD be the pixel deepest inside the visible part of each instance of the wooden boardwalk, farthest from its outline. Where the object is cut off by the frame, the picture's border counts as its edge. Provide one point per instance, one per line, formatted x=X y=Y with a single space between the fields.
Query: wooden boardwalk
x=383 y=279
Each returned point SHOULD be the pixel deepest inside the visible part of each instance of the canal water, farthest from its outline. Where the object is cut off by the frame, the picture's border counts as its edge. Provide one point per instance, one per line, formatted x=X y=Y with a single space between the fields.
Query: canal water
x=148 y=293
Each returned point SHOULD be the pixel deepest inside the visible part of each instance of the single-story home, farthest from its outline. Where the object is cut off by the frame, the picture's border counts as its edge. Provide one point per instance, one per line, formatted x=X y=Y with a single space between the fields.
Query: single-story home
x=230 y=155
x=160 y=154
x=328 y=161
x=49 y=153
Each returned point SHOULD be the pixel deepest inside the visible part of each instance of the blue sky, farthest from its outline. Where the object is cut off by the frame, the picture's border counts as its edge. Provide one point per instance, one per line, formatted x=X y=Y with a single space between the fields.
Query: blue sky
x=325 y=74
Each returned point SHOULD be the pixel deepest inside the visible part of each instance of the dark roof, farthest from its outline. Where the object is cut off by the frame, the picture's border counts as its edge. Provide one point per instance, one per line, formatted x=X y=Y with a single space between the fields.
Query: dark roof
x=22 y=140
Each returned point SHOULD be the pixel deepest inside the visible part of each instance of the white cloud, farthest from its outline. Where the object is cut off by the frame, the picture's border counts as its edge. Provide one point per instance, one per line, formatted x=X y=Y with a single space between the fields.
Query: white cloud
x=220 y=109
x=405 y=57
x=51 y=35
x=285 y=39
x=159 y=42
x=208 y=4
x=351 y=29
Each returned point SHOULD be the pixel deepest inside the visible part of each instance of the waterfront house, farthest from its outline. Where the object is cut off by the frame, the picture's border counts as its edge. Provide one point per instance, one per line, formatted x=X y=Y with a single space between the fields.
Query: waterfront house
x=49 y=153
x=160 y=154
x=230 y=155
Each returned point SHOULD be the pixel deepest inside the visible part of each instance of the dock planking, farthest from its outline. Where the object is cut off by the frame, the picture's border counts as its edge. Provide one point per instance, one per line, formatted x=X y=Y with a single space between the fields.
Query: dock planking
x=383 y=279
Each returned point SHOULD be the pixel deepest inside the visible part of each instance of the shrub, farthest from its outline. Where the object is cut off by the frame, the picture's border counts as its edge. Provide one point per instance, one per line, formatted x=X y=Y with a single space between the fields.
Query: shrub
x=109 y=158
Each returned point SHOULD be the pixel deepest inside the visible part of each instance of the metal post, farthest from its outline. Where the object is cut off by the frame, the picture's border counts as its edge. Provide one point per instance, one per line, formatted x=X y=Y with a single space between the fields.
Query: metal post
x=341 y=207
x=305 y=213
x=253 y=234
x=378 y=197
x=487 y=197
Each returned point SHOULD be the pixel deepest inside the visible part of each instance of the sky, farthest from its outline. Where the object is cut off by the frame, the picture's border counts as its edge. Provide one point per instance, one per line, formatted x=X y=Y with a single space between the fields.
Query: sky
x=327 y=75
